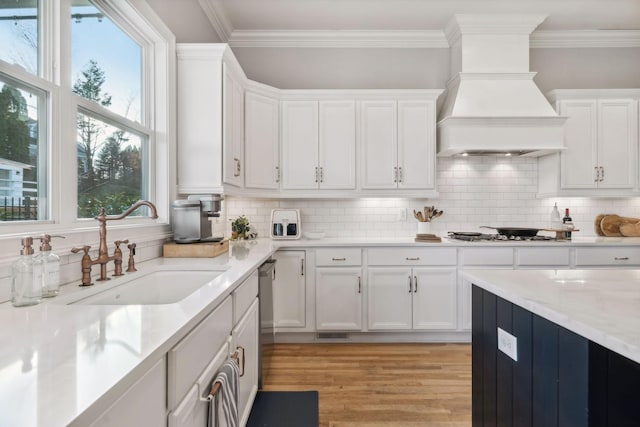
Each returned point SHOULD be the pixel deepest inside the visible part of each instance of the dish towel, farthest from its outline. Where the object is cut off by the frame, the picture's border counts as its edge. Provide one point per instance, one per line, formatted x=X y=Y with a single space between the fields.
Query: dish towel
x=227 y=395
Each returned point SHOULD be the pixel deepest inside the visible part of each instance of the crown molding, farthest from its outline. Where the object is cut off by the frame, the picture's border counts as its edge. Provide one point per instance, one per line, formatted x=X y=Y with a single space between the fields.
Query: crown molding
x=339 y=39
x=218 y=18
x=585 y=38
x=434 y=39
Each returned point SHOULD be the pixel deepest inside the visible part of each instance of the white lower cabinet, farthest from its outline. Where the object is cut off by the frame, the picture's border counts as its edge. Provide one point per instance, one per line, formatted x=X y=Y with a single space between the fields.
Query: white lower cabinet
x=143 y=404
x=245 y=340
x=289 y=293
x=339 y=298
x=402 y=298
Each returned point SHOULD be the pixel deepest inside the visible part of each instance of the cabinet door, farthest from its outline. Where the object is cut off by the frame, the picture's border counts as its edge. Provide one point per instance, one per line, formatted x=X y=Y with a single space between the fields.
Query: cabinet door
x=233 y=128
x=416 y=144
x=245 y=335
x=261 y=154
x=378 y=144
x=580 y=136
x=339 y=299
x=389 y=293
x=142 y=404
x=299 y=145
x=337 y=146
x=289 y=310
x=617 y=141
x=434 y=298
x=199 y=109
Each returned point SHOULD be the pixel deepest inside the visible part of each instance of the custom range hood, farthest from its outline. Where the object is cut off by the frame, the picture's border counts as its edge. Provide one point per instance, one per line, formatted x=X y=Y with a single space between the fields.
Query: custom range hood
x=492 y=104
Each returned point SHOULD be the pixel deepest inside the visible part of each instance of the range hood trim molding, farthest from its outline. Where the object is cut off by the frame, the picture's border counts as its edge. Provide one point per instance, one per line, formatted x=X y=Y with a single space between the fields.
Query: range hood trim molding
x=506 y=23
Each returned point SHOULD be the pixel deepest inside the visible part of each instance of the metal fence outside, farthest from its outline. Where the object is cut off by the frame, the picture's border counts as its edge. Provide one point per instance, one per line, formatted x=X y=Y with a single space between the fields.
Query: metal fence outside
x=18 y=208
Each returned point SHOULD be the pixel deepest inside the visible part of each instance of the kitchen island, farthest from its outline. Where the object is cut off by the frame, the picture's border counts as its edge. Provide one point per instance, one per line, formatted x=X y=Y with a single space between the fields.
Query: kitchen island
x=556 y=347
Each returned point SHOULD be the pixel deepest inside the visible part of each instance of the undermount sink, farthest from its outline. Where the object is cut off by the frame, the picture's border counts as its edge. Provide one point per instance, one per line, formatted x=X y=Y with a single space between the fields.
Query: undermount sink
x=153 y=288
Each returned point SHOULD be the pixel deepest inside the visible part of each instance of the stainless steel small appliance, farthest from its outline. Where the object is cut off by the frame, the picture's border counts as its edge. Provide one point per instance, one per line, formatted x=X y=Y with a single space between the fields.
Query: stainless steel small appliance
x=285 y=224
x=192 y=218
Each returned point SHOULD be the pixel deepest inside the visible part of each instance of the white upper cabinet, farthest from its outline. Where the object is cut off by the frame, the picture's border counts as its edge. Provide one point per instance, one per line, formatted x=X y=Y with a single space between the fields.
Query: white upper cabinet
x=378 y=144
x=233 y=127
x=337 y=145
x=210 y=109
x=318 y=145
x=261 y=154
x=299 y=145
x=601 y=136
x=397 y=143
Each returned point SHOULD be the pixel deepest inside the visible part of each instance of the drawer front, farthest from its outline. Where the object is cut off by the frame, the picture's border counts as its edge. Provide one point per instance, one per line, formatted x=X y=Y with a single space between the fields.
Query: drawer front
x=338 y=257
x=412 y=256
x=619 y=256
x=188 y=359
x=244 y=295
x=543 y=256
x=487 y=256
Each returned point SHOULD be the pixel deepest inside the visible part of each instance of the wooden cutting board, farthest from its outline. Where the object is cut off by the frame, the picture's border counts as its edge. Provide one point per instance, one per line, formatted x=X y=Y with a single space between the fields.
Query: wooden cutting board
x=596 y=224
x=610 y=224
x=630 y=230
x=195 y=250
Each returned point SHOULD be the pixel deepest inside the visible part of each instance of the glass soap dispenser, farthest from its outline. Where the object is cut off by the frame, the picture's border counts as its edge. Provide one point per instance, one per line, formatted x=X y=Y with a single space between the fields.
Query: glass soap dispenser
x=26 y=288
x=50 y=267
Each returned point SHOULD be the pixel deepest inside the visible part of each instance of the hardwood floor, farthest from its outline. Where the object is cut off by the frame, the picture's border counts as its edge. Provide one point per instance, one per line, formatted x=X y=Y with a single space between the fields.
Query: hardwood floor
x=379 y=385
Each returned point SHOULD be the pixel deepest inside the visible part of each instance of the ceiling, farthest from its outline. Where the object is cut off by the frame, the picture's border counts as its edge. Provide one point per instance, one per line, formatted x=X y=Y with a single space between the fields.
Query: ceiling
x=388 y=23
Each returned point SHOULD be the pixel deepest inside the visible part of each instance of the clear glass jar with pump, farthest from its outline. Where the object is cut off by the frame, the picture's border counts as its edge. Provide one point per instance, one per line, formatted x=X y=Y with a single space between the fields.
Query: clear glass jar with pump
x=50 y=268
x=26 y=287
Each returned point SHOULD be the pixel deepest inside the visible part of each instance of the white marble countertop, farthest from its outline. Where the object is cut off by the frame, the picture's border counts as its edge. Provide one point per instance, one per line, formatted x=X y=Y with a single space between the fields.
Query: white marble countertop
x=62 y=364
x=409 y=241
x=601 y=305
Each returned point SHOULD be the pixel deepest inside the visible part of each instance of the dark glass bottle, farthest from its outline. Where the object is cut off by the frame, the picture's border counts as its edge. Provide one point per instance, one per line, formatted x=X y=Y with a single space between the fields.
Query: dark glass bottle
x=568 y=221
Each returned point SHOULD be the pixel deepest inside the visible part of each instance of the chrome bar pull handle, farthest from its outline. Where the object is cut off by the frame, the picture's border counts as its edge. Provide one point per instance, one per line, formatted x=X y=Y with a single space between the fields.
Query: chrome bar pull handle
x=237 y=171
x=338 y=259
x=410 y=285
x=622 y=258
x=321 y=174
x=400 y=175
x=415 y=284
x=316 y=174
x=277 y=173
x=413 y=259
x=395 y=174
x=302 y=267
x=359 y=284
x=596 y=174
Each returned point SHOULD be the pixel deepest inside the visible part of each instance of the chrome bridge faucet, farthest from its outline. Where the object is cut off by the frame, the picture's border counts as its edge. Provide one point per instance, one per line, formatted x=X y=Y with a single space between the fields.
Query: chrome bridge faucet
x=103 y=251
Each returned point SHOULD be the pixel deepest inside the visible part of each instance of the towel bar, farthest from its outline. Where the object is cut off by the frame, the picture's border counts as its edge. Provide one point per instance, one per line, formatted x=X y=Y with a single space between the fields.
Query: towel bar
x=216 y=385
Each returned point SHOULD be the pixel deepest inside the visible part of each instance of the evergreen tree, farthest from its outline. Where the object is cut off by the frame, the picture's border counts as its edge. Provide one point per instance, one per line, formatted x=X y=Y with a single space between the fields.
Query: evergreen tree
x=14 y=131
x=89 y=86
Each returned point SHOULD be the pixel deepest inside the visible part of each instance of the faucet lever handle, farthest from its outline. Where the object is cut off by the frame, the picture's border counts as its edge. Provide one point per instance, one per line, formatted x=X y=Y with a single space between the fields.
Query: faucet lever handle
x=119 y=242
x=84 y=248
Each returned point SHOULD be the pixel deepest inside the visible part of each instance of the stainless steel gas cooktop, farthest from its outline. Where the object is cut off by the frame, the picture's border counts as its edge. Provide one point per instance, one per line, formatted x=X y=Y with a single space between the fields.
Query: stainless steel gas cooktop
x=481 y=237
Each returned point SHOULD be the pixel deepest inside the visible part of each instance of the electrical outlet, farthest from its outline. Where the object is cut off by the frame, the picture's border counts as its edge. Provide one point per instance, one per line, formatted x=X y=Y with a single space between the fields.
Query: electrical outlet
x=402 y=214
x=508 y=344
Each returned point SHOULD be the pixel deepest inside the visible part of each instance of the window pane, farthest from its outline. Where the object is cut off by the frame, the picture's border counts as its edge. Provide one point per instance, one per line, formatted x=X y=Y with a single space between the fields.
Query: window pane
x=22 y=152
x=106 y=62
x=19 y=33
x=110 y=165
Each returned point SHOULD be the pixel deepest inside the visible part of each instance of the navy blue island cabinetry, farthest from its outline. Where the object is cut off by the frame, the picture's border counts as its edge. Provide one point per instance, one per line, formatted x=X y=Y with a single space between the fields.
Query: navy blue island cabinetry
x=560 y=379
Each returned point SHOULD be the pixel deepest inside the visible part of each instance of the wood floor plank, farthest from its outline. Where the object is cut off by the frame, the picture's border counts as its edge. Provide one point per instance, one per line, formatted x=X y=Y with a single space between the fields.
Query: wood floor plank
x=379 y=385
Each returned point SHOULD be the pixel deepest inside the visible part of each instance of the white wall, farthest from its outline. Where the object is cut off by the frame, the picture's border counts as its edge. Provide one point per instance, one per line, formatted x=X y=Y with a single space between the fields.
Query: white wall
x=474 y=191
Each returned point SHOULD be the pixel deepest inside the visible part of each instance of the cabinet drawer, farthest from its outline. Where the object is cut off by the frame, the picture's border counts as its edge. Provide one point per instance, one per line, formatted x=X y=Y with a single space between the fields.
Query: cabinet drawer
x=188 y=358
x=412 y=256
x=487 y=256
x=619 y=256
x=244 y=295
x=543 y=256
x=192 y=411
x=338 y=256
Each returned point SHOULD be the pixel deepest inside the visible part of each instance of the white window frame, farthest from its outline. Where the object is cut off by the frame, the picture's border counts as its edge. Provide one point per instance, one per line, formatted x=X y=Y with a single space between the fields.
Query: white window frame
x=158 y=120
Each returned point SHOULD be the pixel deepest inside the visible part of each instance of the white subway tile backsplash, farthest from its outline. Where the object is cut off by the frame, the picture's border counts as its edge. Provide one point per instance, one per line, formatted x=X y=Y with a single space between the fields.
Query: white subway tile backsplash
x=474 y=191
